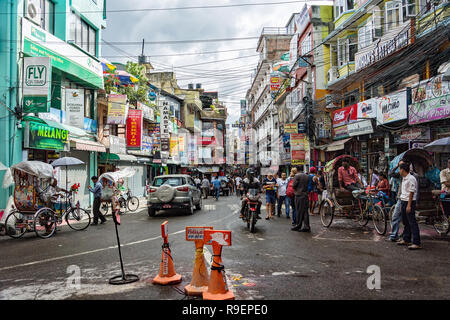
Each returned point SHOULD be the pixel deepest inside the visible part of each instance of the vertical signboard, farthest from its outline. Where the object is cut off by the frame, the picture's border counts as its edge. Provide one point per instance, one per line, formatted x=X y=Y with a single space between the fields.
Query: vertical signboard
x=75 y=107
x=116 y=109
x=134 y=128
x=36 y=84
x=243 y=107
x=164 y=112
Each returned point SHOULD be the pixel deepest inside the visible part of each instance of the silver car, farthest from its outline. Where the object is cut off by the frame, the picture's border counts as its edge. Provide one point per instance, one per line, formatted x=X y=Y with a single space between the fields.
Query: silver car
x=176 y=191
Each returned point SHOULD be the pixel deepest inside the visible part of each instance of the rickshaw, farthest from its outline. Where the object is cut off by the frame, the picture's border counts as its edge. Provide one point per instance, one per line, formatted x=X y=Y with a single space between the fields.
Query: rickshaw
x=359 y=205
x=112 y=181
x=29 y=213
x=428 y=207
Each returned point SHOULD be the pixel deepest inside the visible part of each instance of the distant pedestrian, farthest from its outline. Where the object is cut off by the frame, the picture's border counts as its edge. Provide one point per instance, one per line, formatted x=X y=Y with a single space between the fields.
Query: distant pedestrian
x=301 y=201
x=322 y=188
x=269 y=185
x=216 y=184
x=97 y=191
x=238 y=182
x=290 y=192
x=205 y=187
x=408 y=197
x=281 y=194
x=313 y=195
x=397 y=214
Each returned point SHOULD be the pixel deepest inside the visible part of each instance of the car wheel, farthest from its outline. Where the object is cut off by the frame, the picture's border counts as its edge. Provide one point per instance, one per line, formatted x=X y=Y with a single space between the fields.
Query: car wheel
x=151 y=212
x=190 y=210
x=199 y=205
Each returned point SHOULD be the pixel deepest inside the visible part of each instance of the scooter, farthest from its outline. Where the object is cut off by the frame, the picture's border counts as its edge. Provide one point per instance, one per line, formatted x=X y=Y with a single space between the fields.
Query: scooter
x=250 y=210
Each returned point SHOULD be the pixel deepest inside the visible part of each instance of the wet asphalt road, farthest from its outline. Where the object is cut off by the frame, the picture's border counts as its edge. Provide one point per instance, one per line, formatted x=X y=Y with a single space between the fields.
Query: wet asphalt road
x=274 y=263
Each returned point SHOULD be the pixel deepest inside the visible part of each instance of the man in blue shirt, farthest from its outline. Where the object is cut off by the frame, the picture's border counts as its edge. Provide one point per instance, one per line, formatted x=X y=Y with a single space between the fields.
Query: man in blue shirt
x=216 y=184
x=97 y=191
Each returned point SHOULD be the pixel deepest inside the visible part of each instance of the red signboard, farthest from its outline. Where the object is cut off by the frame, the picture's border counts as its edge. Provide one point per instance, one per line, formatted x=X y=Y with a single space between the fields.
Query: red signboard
x=345 y=115
x=221 y=237
x=134 y=128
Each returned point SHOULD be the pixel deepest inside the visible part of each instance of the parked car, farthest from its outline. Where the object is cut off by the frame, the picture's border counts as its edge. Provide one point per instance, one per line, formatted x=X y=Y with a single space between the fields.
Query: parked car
x=176 y=191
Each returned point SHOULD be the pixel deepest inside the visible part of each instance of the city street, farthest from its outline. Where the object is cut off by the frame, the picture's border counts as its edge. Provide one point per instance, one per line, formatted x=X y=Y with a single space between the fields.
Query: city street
x=273 y=263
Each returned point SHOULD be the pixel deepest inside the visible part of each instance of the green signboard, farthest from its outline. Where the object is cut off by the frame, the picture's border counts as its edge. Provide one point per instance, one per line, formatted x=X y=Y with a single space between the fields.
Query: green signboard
x=42 y=136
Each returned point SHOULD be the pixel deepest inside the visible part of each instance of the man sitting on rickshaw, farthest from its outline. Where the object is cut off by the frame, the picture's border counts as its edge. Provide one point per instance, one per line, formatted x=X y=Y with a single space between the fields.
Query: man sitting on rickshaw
x=50 y=194
x=348 y=177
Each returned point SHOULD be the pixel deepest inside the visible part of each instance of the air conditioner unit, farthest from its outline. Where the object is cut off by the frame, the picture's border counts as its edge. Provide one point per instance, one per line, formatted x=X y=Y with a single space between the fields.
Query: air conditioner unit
x=333 y=74
x=33 y=11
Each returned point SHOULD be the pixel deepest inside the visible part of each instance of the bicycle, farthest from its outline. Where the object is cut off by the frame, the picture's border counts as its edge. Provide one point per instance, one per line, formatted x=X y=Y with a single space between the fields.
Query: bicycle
x=374 y=207
x=44 y=221
x=131 y=202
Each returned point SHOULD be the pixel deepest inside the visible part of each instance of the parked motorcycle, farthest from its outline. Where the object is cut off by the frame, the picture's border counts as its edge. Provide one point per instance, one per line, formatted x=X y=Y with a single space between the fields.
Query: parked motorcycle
x=250 y=210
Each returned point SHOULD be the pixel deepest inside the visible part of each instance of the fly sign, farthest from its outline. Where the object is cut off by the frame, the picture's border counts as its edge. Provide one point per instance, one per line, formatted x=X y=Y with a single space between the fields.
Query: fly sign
x=195 y=233
x=36 y=84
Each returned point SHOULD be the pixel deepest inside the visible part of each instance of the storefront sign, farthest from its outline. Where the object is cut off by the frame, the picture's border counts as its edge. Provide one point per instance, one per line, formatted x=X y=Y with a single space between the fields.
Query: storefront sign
x=147 y=112
x=430 y=101
x=75 y=107
x=42 y=136
x=359 y=128
x=298 y=157
x=275 y=84
x=117 y=109
x=117 y=145
x=367 y=109
x=146 y=145
x=340 y=132
x=345 y=115
x=290 y=128
x=65 y=57
x=302 y=20
x=412 y=134
x=392 y=107
x=390 y=43
x=134 y=128
x=297 y=141
x=301 y=127
x=293 y=54
x=36 y=84
x=243 y=107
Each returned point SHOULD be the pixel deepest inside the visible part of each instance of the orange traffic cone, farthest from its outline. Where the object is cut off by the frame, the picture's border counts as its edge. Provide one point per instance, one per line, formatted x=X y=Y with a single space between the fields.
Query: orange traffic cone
x=167 y=274
x=217 y=286
x=200 y=276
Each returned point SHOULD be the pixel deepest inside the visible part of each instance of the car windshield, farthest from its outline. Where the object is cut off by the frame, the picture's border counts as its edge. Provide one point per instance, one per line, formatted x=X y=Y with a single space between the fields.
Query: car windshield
x=173 y=181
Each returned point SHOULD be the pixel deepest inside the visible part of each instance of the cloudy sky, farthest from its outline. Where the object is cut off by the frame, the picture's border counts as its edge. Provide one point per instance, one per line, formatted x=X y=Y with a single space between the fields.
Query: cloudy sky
x=191 y=60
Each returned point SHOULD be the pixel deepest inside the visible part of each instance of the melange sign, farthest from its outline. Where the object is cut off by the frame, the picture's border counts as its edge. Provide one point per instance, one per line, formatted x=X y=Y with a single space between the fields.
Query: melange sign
x=36 y=84
x=75 y=107
x=41 y=136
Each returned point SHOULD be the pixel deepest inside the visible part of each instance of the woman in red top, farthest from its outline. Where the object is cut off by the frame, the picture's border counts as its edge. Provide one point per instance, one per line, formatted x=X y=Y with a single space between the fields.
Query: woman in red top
x=383 y=185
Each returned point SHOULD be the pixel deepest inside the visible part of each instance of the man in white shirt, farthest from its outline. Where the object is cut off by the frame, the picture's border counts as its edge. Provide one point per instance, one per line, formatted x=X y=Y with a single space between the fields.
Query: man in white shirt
x=281 y=194
x=408 y=197
x=238 y=181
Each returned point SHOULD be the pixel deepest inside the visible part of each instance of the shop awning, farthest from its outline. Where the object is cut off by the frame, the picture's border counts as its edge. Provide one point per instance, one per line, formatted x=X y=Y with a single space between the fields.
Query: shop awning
x=117 y=157
x=334 y=146
x=87 y=145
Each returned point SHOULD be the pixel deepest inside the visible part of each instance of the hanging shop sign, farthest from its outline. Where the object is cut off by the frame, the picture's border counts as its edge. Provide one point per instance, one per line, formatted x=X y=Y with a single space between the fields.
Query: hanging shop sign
x=36 y=84
x=165 y=124
x=359 y=128
x=134 y=128
x=340 y=132
x=390 y=43
x=298 y=157
x=412 y=134
x=392 y=107
x=367 y=109
x=345 y=115
x=301 y=127
x=243 y=107
x=293 y=52
x=42 y=136
x=146 y=145
x=290 y=128
x=117 y=145
x=297 y=141
x=147 y=112
x=117 y=109
x=302 y=19
x=430 y=101
x=75 y=107
x=275 y=84
x=65 y=57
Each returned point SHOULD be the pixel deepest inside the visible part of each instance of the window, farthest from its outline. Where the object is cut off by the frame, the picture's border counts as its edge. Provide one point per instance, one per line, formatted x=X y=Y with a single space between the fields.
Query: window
x=409 y=8
x=341 y=6
x=365 y=35
x=393 y=18
x=82 y=34
x=347 y=49
x=48 y=16
x=306 y=44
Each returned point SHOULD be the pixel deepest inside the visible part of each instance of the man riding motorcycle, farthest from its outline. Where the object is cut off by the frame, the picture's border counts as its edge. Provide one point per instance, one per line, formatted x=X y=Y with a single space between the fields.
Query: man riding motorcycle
x=250 y=182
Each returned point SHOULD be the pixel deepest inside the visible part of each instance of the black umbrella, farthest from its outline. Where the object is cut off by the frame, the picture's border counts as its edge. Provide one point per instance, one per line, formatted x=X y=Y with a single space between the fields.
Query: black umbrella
x=441 y=145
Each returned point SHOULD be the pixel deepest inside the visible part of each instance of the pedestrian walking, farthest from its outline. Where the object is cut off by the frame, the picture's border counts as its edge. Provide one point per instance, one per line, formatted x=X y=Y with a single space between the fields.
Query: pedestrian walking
x=290 y=192
x=301 y=201
x=238 y=181
x=269 y=185
x=205 y=187
x=281 y=195
x=97 y=191
x=216 y=184
x=408 y=197
x=396 y=215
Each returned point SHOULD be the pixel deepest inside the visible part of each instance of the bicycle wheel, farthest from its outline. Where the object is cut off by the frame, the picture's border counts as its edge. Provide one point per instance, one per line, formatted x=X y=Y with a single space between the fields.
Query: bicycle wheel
x=363 y=216
x=379 y=220
x=78 y=219
x=123 y=205
x=326 y=213
x=441 y=222
x=104 y=207
x=133 y=204
x=16 y=225
x=44 y=223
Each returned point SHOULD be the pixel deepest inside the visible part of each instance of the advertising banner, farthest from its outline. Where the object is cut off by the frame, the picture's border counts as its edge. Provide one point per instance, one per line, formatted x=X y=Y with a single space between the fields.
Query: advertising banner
x=117 y=109
x=340 y=133
x=367 y=109
x=75 y=107
x=36 y=84
x=134 y=128
x=392 y=107
x=359 y=128
x=298 y=157
x=290 y=128
x=146 y=145
x=302 y=19
x=275 y=84
x=243 y=107
x=345 y=116
x=297 y=141
x=430 y=101
x=412 y=134
x=42 y=136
